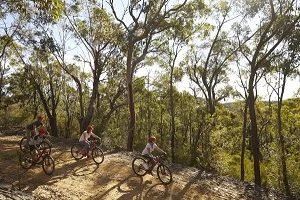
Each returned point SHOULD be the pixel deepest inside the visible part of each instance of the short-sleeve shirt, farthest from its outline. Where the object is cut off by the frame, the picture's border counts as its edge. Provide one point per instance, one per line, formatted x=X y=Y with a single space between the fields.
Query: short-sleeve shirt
x=34 y=124
x=152 y=147
x=86 y=135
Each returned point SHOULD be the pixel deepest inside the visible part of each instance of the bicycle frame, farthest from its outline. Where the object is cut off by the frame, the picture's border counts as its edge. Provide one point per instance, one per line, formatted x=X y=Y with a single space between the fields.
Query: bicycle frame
x=41 y=153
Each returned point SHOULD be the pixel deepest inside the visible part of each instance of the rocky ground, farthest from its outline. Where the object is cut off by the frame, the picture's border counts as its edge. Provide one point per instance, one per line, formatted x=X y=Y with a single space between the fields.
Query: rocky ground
x=113 y=179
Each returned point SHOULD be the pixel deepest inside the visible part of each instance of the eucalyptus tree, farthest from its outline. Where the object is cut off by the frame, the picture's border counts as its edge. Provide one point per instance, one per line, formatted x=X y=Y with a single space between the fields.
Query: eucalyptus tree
x=208 y=59
x=143 y=21
x=15 y=16
x=38 y=82
x=283 y=67
x=7 y=32
x=175 y=40
x=241 y=92
x=4 y=65
x=98 y=36
x=291 y=130
x=242 y=73
x=33 y=51
x=69 y=99
x=275 y=24
x=111 y=95
x=47 y=79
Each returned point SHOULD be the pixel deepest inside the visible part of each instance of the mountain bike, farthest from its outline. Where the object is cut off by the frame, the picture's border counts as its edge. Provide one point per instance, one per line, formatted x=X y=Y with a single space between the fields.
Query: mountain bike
x=78 y=151
x=140 y=163
x=39 y=154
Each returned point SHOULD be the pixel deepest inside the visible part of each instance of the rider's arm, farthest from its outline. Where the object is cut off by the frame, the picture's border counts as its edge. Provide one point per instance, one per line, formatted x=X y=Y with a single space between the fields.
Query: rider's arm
x=96 y=136
x=159 y=149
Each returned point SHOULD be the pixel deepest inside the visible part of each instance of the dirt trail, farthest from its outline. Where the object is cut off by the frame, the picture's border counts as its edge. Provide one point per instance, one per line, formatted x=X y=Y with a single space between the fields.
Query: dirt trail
x=113 y=179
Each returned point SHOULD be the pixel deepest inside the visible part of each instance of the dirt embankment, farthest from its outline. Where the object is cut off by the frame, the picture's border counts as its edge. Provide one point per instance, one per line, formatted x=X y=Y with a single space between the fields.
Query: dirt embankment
x=113 y=179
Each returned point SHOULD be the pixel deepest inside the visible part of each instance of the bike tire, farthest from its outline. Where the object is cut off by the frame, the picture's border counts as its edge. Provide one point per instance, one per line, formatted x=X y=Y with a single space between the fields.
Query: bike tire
x=48 y=165
x=138 y=166
x=25 y=160
x=97 y=155
x=23 y=144
x=164 y=174
x=76 y=151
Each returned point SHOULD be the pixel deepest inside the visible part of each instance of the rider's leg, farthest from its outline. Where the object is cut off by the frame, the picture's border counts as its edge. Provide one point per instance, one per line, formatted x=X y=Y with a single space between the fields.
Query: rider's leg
x=152 y=164
x=88 y=149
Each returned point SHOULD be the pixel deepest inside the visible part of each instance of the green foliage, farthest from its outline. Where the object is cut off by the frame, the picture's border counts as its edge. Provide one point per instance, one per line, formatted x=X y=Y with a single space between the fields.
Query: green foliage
x=54 y=7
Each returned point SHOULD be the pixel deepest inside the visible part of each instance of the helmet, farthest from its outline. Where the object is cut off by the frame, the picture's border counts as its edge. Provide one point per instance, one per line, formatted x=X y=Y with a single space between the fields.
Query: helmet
x=89 y=128
x=152 y=139
x=42 y=130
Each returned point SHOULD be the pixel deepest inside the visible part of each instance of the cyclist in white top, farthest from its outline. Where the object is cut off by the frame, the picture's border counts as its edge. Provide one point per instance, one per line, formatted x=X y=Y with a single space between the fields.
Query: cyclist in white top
x=84 y=139
x=147 y=152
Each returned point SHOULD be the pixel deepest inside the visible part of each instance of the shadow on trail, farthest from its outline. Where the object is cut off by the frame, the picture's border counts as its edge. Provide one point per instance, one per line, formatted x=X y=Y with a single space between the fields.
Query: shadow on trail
x=155 y=191
x=33 y=179
x=181 y=193
x=131 y=187
x=85 y=169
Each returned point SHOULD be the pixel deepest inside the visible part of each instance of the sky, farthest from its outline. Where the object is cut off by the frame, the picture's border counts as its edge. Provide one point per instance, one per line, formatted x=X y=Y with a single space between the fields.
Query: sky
x=292 y=86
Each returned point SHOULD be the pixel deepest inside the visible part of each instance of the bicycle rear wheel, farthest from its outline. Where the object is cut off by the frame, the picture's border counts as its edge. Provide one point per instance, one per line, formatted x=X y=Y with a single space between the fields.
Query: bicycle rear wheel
x=164 y=174
x=23 y=144
x=76 y=151
x=138 y=166
x=48 y=165
x=97 y=155
x=25 y=160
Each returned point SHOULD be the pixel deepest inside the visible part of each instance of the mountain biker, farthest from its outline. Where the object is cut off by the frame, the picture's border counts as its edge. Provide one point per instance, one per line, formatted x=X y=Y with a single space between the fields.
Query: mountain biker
x=147 y=153
x=84 y=139
x=41 y=133
x=32 y=129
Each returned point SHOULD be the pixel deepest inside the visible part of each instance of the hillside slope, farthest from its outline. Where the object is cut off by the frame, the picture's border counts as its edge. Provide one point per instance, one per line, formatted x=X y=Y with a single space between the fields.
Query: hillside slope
x=113 y=179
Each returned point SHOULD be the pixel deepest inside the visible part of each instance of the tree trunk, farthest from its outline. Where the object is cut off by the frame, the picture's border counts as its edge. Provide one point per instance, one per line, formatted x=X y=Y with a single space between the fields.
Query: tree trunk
x=244 y=141
x=253 y=131
x=53 y=125
x=131 y=127
x=86 y=120
x=129 y=78
x=282 y=144
x=172 y=111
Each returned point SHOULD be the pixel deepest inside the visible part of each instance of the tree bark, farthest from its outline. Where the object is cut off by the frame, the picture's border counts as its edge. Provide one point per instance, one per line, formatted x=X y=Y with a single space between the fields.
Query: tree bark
x=172 y=111
x=282 y=143
x=130 y=95
x=253 y=131
x=244 y=141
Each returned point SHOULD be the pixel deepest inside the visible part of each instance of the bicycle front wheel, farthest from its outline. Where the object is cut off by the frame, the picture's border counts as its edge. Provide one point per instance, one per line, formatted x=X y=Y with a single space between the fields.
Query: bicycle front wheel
x=97 y=155
x=76 y=151
x=48 y=165
x=164 y=174
x=138 y=166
